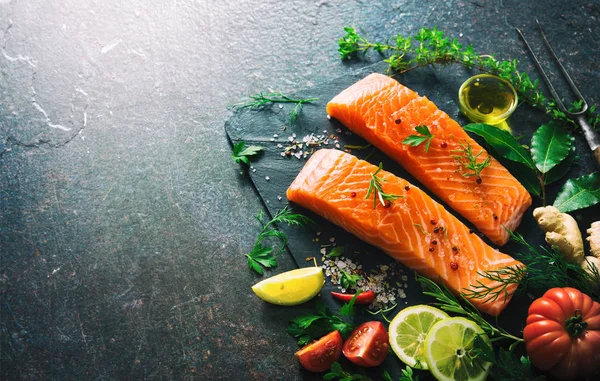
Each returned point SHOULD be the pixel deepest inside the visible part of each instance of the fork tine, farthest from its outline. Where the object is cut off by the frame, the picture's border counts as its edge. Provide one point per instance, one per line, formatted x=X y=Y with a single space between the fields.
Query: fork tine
x=564 y=71
x=543 y=73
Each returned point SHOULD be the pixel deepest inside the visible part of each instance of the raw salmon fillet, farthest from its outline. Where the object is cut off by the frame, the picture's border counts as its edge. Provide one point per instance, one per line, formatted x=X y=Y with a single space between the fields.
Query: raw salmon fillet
x=384 y=112
x=414 y=229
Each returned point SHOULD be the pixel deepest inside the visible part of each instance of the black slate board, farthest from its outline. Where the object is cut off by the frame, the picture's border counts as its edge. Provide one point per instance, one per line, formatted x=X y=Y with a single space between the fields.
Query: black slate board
x=258 y=127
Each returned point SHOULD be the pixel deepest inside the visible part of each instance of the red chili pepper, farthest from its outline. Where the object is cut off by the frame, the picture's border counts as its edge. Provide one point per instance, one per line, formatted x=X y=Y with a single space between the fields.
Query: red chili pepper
x=366 y=297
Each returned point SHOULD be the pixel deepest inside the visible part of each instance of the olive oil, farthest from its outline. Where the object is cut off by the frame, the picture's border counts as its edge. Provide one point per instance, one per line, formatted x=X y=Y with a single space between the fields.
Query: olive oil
x=486 y=98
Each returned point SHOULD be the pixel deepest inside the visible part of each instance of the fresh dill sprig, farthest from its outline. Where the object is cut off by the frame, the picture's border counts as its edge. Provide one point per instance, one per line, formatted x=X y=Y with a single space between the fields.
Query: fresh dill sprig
x=424 y=136
x=431 y=46
x=262 y=99
x=264 y=256
x=450 y=303
x=501 y=280
x=546 y=268
x=469 y=161
x=241 y=153
x=376 y=189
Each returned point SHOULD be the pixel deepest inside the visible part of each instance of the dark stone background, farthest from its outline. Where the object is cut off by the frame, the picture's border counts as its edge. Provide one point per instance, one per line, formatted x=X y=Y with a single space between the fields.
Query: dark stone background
x=123 y=221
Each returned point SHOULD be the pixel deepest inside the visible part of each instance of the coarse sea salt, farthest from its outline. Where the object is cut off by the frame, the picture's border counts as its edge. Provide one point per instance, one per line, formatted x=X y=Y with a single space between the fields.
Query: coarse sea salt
x=383 y=279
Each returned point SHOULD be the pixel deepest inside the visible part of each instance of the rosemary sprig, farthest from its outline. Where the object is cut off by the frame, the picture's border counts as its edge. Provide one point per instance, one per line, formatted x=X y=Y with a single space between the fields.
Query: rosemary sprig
x=262 y=99
x=469 y=161
x=264 y=256
x=424 y=136
x=376 y=189
x=450 y=303
x=431 y=46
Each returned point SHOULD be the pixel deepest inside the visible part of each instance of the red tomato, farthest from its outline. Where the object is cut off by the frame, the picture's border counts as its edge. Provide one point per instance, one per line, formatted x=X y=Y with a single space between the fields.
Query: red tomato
x=367 y=345
x=319 y=355
x=562 y=335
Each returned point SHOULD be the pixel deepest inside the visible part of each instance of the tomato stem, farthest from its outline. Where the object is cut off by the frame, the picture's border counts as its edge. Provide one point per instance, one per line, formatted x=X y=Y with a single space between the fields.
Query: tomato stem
x=575 y=324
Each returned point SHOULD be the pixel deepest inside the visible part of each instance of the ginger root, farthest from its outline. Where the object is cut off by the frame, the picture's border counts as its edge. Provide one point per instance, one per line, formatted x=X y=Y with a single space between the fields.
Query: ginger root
x=563 y=233
x=594 y=239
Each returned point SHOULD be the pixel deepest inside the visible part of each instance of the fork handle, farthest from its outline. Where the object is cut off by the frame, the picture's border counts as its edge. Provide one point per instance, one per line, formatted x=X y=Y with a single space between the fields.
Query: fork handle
x=592 y=137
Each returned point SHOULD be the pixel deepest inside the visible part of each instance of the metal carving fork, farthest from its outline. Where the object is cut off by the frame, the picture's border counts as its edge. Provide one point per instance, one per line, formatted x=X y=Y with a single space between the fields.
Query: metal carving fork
x=592 y=137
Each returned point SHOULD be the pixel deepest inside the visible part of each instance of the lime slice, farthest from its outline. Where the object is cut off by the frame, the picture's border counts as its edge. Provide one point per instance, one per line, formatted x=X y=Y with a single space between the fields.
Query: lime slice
x=448 y=351
x=291 y=287
x=408 y=330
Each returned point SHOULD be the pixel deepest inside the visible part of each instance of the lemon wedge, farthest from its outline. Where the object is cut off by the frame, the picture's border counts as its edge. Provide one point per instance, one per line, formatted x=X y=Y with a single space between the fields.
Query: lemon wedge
x=291 y=287
x=408 y=331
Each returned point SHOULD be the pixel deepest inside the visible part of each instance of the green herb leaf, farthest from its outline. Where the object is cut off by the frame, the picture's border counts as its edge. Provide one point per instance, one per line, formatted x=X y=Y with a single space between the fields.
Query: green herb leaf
x=448 y=302
x=579 y=193
x=502 y=141
x=561 y=169
x=314 y=326
x=348 y=308
x=547 y=268
x=348 y=281
x=337 y=251
x=260 y=100
x=507 y=366
x=434 y=47
x=469 y=160
x=550 y=144
x=265 y=256
x=376 y=189
x=241 y=154
x=336 y=372
x=416 y=140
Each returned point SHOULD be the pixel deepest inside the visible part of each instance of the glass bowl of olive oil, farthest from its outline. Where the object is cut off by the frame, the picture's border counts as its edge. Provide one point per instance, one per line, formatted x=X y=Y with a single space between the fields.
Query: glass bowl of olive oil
x=486 y=98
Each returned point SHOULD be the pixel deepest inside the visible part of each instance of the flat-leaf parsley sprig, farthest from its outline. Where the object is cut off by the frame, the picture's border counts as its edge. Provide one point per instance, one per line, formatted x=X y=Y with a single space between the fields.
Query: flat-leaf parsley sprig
x=425 y=136
x=262 y=99
x=264 y=256
x=376 y=189
x=241 y=153
x=309 y=327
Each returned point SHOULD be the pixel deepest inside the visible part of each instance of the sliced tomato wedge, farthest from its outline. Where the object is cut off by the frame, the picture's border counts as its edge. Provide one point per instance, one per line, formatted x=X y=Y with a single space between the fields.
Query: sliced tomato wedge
x=367 y=345
x=319 y=355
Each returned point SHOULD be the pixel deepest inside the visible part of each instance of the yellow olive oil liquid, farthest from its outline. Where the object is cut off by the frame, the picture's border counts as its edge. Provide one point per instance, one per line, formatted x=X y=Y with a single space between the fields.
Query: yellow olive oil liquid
x=488 y=100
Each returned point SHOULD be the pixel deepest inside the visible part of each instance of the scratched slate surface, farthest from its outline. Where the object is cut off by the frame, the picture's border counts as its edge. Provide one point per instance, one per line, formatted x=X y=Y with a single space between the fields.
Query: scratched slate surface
x=123 y=221
x=271 y=174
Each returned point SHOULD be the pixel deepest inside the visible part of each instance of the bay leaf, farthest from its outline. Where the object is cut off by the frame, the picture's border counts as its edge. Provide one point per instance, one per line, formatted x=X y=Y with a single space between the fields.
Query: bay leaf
x=503 y=143
x=550 y=144
x=579 y=193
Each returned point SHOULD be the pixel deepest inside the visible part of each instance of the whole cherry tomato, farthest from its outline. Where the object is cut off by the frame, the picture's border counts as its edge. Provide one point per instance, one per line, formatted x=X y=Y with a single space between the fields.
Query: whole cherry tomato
x=562 y=335
x=367 y=345
x=319 y=355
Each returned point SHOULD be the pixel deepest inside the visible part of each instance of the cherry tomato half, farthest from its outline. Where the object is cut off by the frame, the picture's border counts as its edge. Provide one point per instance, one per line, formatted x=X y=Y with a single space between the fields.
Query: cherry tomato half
x=562 y=335
x=319 y=355
x=367 y=345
